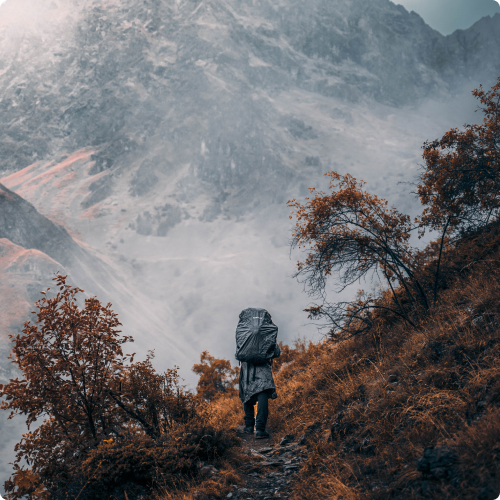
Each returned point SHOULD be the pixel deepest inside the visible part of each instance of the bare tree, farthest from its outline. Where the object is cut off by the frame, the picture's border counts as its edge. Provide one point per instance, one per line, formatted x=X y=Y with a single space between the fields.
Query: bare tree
x=353 y=235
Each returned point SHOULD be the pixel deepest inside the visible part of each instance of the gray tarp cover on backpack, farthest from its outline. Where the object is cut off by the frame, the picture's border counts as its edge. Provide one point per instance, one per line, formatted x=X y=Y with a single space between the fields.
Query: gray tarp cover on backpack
x=255 y=336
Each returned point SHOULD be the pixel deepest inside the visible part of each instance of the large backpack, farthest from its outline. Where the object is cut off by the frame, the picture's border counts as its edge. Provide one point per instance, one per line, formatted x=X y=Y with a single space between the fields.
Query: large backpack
x=255 y=336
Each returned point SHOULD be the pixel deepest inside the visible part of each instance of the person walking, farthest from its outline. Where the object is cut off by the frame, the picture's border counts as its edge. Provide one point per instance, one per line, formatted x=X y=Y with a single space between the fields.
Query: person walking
x=256 y=348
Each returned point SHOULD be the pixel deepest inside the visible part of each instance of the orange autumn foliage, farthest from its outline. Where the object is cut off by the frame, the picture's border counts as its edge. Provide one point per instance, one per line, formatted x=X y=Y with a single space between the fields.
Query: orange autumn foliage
x=355 y=235
x=96 y=405
x=460 y=183
x=216 y=376
x=69 y=359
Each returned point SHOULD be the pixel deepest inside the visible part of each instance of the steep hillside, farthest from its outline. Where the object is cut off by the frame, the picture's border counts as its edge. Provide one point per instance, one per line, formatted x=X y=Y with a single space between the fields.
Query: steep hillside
x=33 y=248
x=24 y=274
x=400 y=413
x=24 y=226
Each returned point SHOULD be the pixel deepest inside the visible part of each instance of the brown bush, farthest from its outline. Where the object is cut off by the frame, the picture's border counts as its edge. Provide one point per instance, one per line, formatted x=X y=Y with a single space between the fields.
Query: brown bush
x=216 y=377
x=110 y=425
x=139 y=465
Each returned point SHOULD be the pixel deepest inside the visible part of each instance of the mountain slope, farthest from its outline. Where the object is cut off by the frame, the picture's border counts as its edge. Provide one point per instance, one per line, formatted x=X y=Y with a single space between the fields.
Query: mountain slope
x=400 y=412
x=24 y=226
x=133 y=74
x=167 y=136
x=34 y=248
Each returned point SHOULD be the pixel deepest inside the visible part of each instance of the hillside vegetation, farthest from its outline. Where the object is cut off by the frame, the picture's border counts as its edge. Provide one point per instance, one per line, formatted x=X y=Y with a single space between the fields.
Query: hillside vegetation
x=403 y=412
x=401 y=399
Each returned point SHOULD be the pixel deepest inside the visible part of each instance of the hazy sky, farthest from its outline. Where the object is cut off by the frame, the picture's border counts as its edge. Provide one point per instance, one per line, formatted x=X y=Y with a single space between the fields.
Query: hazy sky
x=448 y=15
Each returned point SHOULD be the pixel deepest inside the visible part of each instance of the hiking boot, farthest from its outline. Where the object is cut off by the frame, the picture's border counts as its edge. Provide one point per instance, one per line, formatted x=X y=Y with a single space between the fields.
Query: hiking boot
x=261 y=435
x=248 y=430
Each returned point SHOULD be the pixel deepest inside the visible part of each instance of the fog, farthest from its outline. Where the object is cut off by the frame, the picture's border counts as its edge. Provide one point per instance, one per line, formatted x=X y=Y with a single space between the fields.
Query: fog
x=34 y=18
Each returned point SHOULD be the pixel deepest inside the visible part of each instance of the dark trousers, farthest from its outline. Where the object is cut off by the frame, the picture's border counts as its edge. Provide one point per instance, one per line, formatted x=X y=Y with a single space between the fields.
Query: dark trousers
x=262 y=411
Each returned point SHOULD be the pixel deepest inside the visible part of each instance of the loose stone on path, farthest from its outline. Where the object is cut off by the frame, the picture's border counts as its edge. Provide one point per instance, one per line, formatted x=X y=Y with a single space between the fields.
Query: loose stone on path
x=285 y=458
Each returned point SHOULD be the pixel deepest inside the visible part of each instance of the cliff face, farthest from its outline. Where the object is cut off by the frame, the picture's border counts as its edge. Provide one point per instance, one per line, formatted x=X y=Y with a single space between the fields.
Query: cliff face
x=134 y=77
x=27 y=229
x=32 y=249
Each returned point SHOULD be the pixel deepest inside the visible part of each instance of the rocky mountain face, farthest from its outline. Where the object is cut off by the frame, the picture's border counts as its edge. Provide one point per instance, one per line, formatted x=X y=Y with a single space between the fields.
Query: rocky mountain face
x=148 y=148
x=32 y=249
x=125 y=77
x=23 y=227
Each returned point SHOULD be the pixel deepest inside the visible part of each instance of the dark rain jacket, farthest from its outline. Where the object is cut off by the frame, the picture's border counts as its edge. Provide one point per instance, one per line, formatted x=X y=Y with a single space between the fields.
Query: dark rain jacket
x=257 y=378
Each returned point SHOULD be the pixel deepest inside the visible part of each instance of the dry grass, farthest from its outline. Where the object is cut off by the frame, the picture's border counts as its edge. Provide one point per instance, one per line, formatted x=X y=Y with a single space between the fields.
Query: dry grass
x=214 y=486
x=226 y=412
x=373 y=404
x=370 y=407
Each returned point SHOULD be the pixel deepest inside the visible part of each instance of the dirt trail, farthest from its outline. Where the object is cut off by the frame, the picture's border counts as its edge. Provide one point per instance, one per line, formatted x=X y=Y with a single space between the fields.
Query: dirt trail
x=271 y=471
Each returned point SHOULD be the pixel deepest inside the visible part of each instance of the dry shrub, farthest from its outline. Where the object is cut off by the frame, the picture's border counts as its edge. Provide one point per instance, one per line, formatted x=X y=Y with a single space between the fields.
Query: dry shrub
x=136 y=466
x=320 y=480
x=215 y=445
x=216 y=377
x=172 y=495
x=220 y=449
x=225 y=412
x=288 y=354
x=478 y=447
